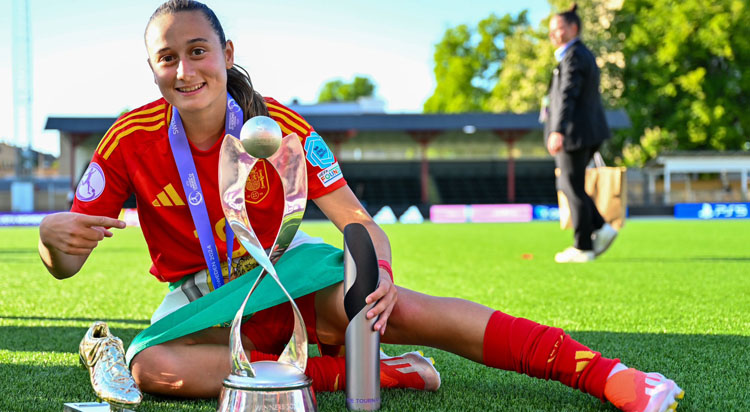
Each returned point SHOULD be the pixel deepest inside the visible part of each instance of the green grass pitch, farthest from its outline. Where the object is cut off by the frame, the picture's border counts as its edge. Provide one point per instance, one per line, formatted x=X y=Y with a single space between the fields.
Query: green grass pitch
x=670 y=296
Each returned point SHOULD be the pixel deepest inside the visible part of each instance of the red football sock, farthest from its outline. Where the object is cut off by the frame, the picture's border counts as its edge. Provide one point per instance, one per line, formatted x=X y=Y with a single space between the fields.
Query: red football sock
x=544 y=352
x=328 y=373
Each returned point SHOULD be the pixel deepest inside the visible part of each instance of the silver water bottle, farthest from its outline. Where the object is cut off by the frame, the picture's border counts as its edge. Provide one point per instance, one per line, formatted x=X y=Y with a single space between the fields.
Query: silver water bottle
x=362 y=342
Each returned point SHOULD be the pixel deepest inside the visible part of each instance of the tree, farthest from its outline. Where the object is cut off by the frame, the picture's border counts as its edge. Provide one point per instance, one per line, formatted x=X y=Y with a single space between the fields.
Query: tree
x=338 y=91
x=687 y=75
x=468 y=61
x=524 y=77
x=511 y=71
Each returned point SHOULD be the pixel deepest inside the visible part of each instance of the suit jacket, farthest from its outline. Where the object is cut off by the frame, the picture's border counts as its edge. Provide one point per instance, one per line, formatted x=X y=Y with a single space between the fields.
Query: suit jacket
x=575 y=106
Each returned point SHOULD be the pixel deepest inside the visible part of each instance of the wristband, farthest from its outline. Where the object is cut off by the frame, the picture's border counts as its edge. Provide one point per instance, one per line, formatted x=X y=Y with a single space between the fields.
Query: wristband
x=387 y=266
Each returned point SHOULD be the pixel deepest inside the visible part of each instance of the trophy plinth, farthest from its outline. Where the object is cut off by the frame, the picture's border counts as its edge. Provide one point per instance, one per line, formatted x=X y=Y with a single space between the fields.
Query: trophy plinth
x=265 y=385
x=275 y=387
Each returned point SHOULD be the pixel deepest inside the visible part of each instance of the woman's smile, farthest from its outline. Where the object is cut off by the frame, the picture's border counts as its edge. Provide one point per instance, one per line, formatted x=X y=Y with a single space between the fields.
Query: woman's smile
x=189 y=90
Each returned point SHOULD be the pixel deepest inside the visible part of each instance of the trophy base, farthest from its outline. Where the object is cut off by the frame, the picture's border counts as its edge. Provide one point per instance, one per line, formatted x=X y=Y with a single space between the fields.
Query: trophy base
x=278 y=387
x=92 y=407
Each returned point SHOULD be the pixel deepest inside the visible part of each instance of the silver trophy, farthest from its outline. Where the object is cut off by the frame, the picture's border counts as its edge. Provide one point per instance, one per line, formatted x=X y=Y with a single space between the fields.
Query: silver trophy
x=362 y=342
x=265 y=385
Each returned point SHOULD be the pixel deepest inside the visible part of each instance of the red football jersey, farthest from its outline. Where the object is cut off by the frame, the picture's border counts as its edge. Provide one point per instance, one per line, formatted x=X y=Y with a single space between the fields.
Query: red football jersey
x=134 y=156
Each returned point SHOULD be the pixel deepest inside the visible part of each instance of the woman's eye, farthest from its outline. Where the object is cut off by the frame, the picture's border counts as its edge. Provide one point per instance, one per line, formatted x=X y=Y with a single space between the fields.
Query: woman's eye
x=167 y=59
x=198 y=52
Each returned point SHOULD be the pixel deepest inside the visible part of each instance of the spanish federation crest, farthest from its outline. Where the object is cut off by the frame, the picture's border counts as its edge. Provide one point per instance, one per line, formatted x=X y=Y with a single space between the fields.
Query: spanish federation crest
x=256 y=187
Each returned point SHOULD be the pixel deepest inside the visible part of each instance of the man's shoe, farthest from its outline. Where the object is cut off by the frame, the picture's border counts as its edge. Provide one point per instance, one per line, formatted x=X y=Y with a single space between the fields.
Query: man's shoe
x=573 y=255
x=603 y=238
x=410 y=370
x=104 y=356
x=631 y=390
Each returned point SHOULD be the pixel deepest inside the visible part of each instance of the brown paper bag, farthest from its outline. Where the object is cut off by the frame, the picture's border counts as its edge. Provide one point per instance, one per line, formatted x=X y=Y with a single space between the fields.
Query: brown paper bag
x=607 y=187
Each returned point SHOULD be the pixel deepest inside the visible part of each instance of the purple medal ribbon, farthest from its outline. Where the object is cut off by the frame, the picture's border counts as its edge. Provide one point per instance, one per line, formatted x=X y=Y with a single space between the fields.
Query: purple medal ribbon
x=183 y=157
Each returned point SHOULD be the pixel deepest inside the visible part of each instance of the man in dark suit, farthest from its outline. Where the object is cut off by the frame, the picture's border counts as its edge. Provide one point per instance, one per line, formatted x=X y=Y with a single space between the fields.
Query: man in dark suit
x=575 y=127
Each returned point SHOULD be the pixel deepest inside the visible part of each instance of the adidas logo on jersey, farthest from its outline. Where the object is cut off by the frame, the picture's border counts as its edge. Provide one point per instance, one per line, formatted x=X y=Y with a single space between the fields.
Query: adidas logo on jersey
x=168 y=197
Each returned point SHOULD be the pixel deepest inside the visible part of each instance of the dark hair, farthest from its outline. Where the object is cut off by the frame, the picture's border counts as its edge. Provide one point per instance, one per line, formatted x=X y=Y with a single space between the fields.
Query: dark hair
x=239 y=84
x=571 y=17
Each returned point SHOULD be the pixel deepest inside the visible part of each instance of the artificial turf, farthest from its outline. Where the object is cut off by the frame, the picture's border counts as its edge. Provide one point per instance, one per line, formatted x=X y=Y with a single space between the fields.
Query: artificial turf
x=670 y=296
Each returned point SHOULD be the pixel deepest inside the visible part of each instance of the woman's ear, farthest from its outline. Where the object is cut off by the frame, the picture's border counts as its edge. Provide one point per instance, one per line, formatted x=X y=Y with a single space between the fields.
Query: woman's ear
x=229 y=54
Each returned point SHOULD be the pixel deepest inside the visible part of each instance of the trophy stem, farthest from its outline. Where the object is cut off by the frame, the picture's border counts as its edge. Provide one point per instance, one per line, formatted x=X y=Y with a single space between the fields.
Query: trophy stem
x=295 y=352
x=240 y=362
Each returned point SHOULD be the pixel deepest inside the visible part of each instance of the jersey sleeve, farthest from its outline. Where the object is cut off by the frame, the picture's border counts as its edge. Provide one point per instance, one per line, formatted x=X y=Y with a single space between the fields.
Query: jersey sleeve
x=104 y=186
x=323 y=170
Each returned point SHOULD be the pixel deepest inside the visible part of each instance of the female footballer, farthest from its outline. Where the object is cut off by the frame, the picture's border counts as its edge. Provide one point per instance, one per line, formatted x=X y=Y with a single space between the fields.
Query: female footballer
x=193 y=65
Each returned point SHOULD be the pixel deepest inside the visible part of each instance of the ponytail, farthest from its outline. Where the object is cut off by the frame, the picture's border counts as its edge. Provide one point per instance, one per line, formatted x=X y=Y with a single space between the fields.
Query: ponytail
x=241 y=88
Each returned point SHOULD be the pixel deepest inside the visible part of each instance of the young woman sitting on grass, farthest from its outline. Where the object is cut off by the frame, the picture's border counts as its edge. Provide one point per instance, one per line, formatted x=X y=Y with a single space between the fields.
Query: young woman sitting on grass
x=193 y=66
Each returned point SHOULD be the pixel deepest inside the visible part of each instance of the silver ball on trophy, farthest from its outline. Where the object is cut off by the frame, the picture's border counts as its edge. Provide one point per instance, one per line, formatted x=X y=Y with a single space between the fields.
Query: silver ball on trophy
x=260 y=136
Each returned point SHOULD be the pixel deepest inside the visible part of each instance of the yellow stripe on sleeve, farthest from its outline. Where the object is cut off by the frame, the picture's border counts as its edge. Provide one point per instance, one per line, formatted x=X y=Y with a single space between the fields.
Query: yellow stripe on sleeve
x=127 y=132
x=285 y=120
x=286 y=130
x=297 y=118
x=116 y=125
x=289 y=112
x=113 y=132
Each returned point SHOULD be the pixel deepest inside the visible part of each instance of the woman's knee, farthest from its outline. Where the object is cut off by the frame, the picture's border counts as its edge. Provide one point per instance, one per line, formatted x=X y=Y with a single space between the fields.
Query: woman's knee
x=153 y=368
x=418 y=318
x=411 y=311
x=330 y=318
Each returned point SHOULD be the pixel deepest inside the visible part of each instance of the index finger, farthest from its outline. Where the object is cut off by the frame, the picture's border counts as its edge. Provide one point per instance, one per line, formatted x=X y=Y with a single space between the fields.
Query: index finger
x=103 y=221
x=378 y=293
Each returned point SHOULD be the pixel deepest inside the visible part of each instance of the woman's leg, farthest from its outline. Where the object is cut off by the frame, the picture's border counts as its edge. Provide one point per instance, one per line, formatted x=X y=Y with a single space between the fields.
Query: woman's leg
x=502 y=341
x=193 y=366
x=196 y=365
x=451 y=324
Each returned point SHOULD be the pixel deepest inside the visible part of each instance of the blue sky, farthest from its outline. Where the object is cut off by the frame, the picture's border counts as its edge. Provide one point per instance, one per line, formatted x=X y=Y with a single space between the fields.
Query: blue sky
x=89 y=59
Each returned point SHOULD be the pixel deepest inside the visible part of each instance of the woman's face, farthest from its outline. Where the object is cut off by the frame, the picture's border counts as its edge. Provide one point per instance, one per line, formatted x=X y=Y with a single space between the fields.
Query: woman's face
x=188 y=61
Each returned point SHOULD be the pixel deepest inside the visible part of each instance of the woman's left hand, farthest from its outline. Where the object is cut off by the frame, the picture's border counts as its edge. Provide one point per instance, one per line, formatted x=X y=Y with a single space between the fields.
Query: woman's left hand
x=386 y=295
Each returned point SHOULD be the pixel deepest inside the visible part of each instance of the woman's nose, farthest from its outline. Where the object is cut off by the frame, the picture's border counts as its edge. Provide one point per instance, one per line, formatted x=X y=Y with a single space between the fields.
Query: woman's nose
x=185 y=69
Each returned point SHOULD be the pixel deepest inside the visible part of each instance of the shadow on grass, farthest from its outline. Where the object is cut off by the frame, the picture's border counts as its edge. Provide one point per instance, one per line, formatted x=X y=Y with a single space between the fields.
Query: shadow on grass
x=42 y=388
x=23 y=251
x=34 y=388
x=52 y=338
x=144 y=322
x=677 y=260
x=701 y=365
x=25 y=256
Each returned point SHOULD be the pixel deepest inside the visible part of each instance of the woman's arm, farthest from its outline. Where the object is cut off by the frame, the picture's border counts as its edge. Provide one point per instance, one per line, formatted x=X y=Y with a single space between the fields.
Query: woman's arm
x=66 y=240
x=342 y=207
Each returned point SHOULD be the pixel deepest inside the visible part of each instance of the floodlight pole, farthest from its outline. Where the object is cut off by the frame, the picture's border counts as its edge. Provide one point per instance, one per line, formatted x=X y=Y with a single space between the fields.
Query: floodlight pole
x=22 y=190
